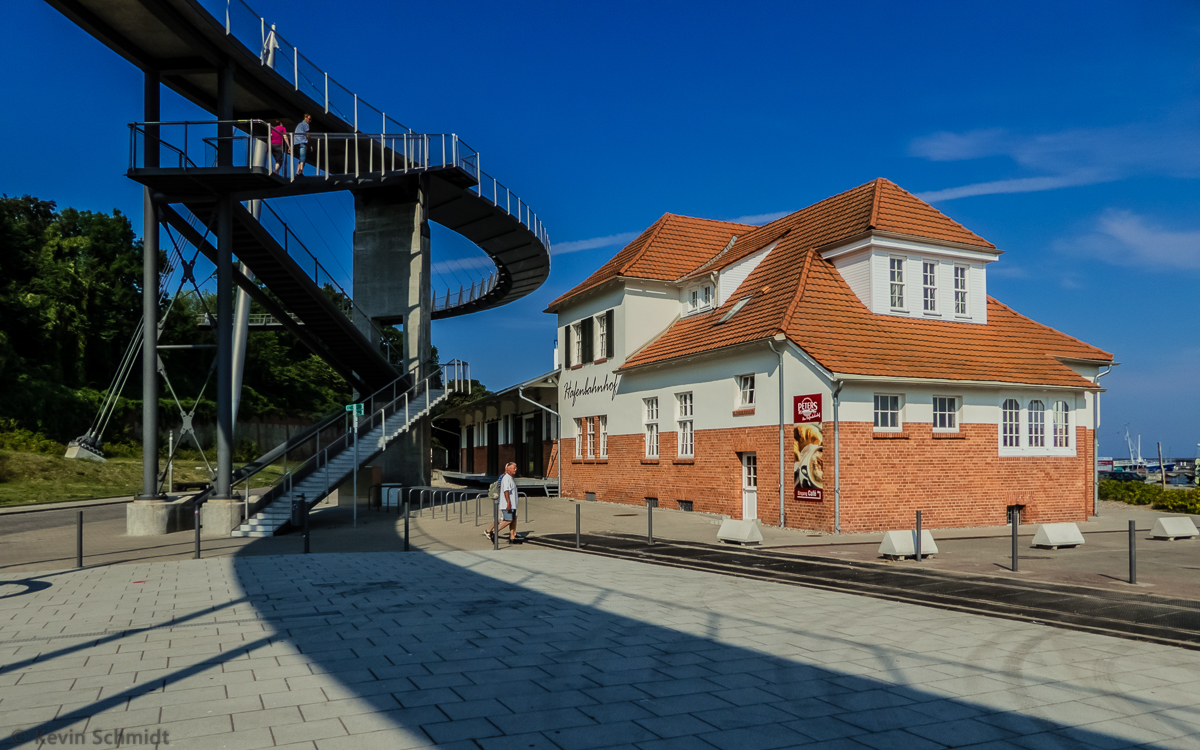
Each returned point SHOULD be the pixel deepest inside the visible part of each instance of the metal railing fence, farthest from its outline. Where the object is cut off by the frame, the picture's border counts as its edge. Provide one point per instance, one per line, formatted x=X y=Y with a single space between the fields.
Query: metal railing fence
x=389 y=402
x=274 y=51
x=190 y=144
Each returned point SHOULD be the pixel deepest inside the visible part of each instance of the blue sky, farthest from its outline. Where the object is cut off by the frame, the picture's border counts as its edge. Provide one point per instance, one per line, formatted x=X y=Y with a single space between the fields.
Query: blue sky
x=1068 y=134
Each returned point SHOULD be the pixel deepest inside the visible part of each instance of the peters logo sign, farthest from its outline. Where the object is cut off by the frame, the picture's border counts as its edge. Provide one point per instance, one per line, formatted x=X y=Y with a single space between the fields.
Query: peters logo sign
x=808 y=409
x=808 y=450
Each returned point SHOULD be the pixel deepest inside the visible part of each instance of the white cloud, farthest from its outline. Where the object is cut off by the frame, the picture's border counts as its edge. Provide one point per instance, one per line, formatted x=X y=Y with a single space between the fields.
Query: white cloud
x=759 y=219
x=465 y=265
x=1020 y=185
x=624 y=238
x=1127 y=239
x=574 y=246
x=1066 y=158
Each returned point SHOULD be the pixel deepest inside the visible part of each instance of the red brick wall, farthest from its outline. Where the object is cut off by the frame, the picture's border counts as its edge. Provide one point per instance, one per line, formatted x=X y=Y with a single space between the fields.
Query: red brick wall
x=955 y=482
x=550 y=458
x=712 y=481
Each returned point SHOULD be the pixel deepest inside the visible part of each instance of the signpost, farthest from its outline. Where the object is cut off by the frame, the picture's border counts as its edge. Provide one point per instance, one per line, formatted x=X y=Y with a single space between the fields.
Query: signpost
x=356 y=411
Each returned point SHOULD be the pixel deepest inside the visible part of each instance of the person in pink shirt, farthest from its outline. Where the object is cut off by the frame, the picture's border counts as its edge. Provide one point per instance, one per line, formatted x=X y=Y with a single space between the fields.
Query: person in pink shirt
x=279 y=138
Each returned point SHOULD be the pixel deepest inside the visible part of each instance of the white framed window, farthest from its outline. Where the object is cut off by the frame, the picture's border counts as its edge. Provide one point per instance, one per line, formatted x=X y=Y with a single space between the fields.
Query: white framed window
x=887 y=412
x=1062 y=425
x=750 y=471
x=683 y=419
x=700 y=298
x=601 y=336
x=603 y=422
x=577 y=343
x=1037 y=424
x=591 y=437
x=960 y=291
x=896 y=280
x=651 y=417
x=945 y=413
x=746 y=391
x=578 y=437
x=1010 y=423
x=929 y=271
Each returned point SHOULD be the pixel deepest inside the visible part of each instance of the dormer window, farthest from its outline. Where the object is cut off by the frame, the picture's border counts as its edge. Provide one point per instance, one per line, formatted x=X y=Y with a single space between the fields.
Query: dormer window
x=699 y=298
x=904 y=277
x=896 y=278
x=929 y=286
x=960 y=291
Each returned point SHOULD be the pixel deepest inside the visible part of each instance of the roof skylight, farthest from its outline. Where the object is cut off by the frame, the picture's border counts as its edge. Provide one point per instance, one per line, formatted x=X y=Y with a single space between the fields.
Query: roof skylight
x=733 y=310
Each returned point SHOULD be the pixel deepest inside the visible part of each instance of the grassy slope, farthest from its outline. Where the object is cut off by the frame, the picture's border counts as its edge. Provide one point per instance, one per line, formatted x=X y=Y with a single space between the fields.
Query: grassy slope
x=27 y=478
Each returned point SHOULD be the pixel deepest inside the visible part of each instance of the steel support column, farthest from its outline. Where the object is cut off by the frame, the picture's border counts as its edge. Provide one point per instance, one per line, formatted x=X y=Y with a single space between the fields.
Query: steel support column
x=224 y=324
x=221 y=485
x=150 y=299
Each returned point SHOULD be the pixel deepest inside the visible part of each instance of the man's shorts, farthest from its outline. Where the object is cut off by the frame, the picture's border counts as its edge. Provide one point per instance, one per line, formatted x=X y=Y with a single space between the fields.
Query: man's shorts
x=508 y=515
x=302 y=152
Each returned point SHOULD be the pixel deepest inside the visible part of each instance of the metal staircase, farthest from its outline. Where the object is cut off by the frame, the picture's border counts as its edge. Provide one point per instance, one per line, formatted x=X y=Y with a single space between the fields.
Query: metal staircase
x=316 y=484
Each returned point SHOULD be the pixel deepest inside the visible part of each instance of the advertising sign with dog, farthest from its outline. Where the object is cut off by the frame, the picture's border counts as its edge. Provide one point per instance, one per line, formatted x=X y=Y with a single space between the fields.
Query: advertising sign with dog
x=808 y=448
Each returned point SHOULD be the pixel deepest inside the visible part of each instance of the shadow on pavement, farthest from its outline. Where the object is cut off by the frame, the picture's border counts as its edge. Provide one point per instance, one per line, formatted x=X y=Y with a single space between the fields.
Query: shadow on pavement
x=464 y=647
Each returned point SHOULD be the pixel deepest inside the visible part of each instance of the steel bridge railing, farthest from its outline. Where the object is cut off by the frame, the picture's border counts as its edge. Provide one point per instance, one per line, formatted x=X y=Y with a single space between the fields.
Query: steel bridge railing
x=190 y=143
x=274 y=51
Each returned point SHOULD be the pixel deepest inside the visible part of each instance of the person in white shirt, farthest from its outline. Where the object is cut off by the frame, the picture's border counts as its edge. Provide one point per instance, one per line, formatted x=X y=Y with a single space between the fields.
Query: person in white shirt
x=508 y=504
x=300 y=140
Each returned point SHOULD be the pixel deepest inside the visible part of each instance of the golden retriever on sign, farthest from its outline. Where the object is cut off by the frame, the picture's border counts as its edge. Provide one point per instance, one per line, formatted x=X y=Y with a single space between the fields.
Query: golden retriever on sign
x=809 y=456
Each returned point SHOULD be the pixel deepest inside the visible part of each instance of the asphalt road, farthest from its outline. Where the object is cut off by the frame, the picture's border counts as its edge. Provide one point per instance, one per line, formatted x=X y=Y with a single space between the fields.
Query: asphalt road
x=16 y=523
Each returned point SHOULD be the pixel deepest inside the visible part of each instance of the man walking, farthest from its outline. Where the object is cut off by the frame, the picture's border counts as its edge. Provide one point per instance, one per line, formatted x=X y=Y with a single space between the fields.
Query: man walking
x=300 y=140
x=508 y=504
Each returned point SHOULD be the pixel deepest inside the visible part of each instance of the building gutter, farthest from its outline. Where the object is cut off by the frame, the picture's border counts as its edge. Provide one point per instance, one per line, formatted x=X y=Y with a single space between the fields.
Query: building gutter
x=1096 y=444
x=779 y=352
x=558 y=428
x=952 y=381
x=837 y=460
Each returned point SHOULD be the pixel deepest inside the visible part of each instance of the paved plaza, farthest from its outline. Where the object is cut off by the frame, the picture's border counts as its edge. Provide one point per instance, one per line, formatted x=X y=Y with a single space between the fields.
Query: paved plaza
x=550 y=649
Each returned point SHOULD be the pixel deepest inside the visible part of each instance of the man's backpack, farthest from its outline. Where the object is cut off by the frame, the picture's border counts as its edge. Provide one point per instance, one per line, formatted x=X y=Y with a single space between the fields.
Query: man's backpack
x=494 y=490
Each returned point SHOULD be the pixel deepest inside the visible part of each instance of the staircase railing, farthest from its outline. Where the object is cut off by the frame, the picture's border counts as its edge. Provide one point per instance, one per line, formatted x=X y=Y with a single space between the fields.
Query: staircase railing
x=393 y=401
x=304 y=258
x=399 y=393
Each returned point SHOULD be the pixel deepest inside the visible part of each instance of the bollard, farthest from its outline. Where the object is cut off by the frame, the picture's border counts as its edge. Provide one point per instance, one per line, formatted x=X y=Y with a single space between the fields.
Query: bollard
x=1132 y=552
x=577 y=527
x=496 y=524
x=462 y=498
x=649 y=522
x=917 y=541
x=304 y=512
x=477 y=511
x=526 y=509
x=1014 y=518
x=197 y=555
x=79 y=541
x=406 y=526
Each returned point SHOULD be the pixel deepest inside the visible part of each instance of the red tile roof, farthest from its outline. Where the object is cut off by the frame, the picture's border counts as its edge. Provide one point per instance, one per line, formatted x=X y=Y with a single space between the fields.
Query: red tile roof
x=795 y=291
x=668 y=249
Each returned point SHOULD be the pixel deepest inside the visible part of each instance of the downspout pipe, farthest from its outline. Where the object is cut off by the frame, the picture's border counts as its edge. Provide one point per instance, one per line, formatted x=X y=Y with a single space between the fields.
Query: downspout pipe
x=1096 y=446
x=779 y=352
x=558 y=427
x=837 y=460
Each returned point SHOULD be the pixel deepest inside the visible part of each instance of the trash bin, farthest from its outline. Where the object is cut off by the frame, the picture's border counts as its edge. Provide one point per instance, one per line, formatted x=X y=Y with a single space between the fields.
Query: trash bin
x=297 y=511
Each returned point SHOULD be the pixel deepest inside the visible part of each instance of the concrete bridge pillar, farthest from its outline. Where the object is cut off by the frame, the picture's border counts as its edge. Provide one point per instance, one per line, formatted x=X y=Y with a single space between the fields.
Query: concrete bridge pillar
x=392 y=286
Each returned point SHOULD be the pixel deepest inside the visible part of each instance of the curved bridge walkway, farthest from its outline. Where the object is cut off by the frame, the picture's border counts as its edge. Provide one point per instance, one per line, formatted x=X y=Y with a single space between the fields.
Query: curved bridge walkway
x=229 y=61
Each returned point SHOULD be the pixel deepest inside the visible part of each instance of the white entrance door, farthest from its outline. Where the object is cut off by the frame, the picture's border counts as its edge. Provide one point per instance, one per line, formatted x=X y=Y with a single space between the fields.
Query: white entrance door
x=749 y=486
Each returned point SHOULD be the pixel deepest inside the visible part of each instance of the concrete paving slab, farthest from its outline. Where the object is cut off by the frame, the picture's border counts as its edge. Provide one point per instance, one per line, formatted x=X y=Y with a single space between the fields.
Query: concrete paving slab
x=795 y=657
